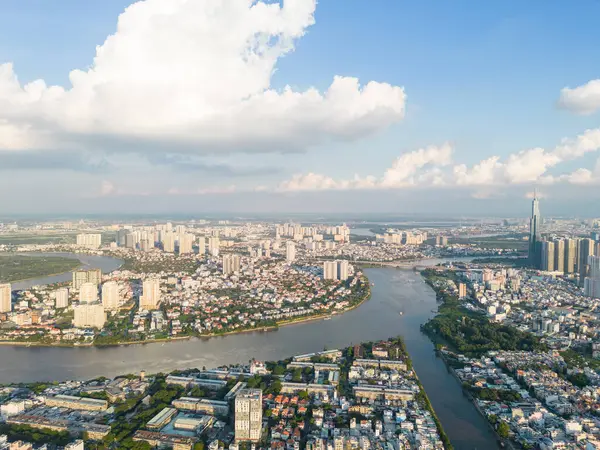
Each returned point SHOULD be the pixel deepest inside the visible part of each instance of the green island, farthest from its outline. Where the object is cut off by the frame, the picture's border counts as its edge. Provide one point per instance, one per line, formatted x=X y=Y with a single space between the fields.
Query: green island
x=15 y=267
x=313 y=399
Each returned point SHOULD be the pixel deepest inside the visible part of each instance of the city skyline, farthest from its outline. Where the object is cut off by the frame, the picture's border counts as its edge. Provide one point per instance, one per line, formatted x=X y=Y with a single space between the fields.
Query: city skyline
x=470 y=117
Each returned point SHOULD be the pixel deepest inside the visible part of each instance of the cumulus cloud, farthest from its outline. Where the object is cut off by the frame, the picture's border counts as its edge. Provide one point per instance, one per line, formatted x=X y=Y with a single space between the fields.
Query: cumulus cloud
x=433 y=166
x=195 y=74
x=584 y=99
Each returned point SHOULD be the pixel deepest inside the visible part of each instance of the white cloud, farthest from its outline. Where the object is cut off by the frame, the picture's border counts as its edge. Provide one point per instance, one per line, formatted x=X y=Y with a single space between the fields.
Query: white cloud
x=196 y=74
x=217 y=190
x=584 y=99
x=107 y=188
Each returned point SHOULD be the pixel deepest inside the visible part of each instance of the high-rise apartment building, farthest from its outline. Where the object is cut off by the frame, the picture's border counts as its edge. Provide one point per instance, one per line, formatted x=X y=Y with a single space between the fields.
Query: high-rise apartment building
x=591 y=286
x=570 y=255
x=586 y=249
x=92 y=241
x=462 y=290
x=202 y=245
x=150 y=297
x=86 y=276
x=248 y=415
x=213 y=246
x=534 y=233
x=89 y=315
x=88 y=293
x=168 y=242
x=330 y=270
x=5 y=298
x=559 y=255
x=61 y=298
x=110 y=295
x=343 y=270
x=231 y=264
x=130 y=240
x=290 y=251
x=186 y=242
x=547 y=253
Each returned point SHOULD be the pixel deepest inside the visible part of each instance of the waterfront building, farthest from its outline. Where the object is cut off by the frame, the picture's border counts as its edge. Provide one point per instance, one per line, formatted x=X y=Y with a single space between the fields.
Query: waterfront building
x=150 y=297
x=89 y=316
x=80 y=403
x=61 y=298
x=248 y=415
x=88 y=293
x=290 y=251
x=86 y=276
x=5 y=298
x=110 y=295
x=343 y=270
x=534 y=233
x=329 y=270
x=92 y=241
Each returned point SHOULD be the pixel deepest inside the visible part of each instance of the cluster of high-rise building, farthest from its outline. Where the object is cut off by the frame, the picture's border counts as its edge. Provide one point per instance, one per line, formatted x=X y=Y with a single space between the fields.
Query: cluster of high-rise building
x=231 y=264
x=340 y=233
x=403 y=237
x=145 y=238
x=86 y=276
x=336 y=270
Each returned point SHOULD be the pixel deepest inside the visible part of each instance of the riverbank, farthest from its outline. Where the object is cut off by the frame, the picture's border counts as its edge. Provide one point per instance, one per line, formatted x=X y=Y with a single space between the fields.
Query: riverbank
x=265 y=328
x=19 y=267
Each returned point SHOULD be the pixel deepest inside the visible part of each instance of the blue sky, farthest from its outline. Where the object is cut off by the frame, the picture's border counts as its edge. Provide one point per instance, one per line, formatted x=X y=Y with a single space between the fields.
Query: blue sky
x=485 y=77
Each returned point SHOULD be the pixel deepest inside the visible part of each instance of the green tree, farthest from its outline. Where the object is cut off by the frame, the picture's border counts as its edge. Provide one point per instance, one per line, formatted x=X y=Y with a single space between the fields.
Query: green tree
x=503 y=430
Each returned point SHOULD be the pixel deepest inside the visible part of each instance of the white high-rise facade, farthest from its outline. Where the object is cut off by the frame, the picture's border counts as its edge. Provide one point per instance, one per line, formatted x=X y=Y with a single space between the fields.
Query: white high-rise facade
x=248 y=415
x=202 y=245
x=150 y=297
x=330 y=270
x=343 y=270
x=290 y=251
x=88 y=293
x=186 y=241
x=61 y=298
x=168 y=242
x=89 y=315
x=5 y=298
x=110 y=295
x=213 y=246
x=89 y=240
x=231 y=264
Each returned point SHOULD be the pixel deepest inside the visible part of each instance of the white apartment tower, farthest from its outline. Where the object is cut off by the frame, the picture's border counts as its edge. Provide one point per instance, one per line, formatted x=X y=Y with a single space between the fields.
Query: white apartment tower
x=213 y=246
x=88 y=293
x=89 y=240
x=290 y=251
x=150 y=297
x=186 y=241
x=343 y=270
x=330 y=270
x=231 y=264
x=61 y=298
x=89 y=315
x=168 y=242
x=248 y=415
x=110 y=295
x=202 y=245
x=5 y=298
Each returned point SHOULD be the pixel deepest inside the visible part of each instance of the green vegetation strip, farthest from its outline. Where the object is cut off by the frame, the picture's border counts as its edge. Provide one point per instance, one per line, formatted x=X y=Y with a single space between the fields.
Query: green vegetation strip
x=22 y=267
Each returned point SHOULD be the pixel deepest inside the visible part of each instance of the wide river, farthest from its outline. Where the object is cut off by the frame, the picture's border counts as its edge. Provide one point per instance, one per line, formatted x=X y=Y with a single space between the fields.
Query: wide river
x=394 y=291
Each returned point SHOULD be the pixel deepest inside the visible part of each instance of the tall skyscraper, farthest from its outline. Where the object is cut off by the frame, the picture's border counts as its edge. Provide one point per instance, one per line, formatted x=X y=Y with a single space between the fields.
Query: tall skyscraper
x=202 y=245
x=248 y=415
x=5 y=298
x=547 y=254
x=586 y=249
x=570 y=255
x=61 y=298
x=534 y=232
x=168 y=242
x=290 y=251
x=150 y=297
x=559 y=255
x=110 y=295
x=88 y=293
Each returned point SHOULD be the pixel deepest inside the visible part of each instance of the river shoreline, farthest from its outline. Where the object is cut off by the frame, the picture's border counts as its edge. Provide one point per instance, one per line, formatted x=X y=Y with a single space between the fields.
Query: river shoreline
x=283 y=323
